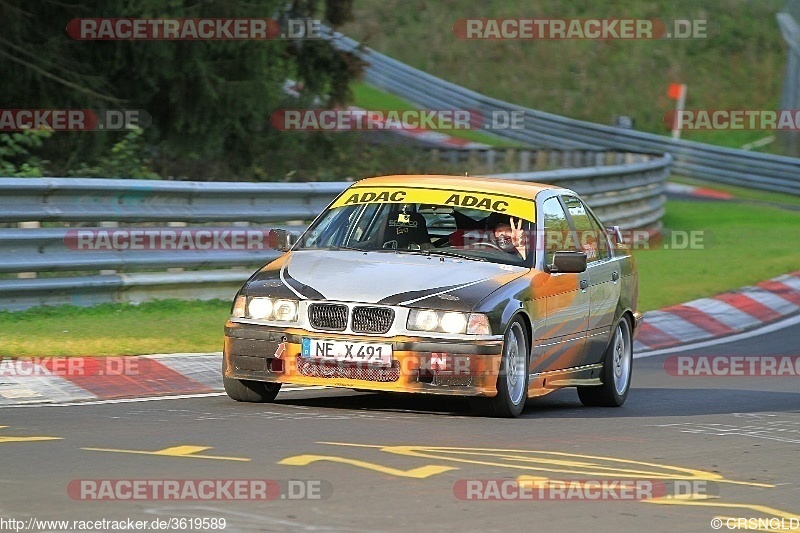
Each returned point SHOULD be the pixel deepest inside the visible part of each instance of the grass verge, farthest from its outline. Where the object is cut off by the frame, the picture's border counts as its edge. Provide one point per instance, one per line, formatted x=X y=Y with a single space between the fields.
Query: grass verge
x=165 y=326
x=744 y=244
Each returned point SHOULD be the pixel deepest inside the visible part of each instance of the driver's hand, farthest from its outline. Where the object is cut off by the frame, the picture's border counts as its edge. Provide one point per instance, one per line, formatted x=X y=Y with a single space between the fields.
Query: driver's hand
x=518 y=237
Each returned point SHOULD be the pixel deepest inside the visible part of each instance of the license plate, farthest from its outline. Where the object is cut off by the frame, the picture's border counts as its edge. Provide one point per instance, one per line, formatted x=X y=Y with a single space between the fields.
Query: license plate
x=357 y=352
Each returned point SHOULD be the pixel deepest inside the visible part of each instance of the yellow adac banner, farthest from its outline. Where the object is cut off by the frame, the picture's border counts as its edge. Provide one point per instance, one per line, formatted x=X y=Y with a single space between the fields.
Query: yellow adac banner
x=501 y=203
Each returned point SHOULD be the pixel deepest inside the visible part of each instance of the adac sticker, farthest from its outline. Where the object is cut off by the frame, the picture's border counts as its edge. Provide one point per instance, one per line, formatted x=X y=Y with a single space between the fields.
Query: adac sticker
x=510 y=205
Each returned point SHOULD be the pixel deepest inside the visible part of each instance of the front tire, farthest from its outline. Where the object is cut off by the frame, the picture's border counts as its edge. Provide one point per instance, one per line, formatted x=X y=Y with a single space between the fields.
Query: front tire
x=512 y=381
x=245 y=390
x=617 y=369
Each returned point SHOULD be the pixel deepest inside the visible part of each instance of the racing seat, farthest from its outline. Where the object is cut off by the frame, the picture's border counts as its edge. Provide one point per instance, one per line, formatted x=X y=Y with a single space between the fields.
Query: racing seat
x=406 y=231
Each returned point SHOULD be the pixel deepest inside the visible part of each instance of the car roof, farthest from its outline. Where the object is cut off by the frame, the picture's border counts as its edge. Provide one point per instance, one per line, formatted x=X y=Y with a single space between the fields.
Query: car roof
x=525 y=189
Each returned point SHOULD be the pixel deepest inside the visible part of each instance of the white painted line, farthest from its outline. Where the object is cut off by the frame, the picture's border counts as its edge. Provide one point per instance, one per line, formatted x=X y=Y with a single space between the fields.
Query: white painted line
x=775 y=326
x=147 y=398
x=640 y=346
x=187 y=354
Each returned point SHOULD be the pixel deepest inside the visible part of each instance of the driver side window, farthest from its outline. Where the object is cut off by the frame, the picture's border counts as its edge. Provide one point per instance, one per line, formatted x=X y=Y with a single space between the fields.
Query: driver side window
x=557 y=234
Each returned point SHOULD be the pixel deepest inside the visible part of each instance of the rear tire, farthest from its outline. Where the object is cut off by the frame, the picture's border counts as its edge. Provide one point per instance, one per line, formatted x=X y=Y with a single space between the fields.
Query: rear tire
x=245 y=390
x=512 y=381
x=617 y=370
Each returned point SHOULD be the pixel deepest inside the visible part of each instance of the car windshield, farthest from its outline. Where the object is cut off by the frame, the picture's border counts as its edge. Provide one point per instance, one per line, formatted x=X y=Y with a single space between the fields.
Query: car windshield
x=435 y=229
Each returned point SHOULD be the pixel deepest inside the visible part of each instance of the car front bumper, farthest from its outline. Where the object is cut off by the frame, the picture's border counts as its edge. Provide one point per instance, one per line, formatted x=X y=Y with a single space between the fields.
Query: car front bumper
x=419 y=364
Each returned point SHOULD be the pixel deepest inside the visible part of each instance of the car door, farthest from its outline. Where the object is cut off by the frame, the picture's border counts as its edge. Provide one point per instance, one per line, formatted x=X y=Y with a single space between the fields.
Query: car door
x=603 y=272
x=560 y=337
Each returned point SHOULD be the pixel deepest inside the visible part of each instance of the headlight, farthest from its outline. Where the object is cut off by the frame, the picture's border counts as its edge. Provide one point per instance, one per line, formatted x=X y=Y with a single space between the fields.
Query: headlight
x=260 y=308
x=264 y=308
x=448 y=322
x=454 y=322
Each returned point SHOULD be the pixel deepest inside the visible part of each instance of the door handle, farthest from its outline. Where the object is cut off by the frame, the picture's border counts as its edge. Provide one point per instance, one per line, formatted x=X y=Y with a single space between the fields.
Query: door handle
x=583 y=284
x=614 y=276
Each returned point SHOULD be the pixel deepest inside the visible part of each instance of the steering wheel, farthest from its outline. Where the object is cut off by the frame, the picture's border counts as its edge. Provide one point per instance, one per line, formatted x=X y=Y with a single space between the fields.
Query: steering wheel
x=486 y=243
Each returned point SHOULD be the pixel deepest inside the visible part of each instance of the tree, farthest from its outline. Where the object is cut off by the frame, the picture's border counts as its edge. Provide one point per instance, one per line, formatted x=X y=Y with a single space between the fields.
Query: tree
x=209 y=100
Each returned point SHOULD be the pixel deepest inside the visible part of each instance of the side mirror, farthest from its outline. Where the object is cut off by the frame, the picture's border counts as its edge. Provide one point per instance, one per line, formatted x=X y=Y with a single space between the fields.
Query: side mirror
x=281 y=239
x=616 y=233
x=568 y=263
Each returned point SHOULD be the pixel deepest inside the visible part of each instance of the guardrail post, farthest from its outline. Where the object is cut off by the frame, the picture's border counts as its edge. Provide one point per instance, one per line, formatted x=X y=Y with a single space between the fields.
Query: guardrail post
x=176 y=225
x=509 y=160
x=31 y=225
x=473 y=161
x=524 y=160
x=540 y=161
x=552 y=160
x=108 y=224
x=599 y=159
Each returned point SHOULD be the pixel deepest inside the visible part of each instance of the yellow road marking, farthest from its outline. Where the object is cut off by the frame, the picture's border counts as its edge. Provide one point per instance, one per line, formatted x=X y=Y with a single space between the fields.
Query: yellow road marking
x=190 y=452
x=559 y=462
x=569 y=463
x=417 y=473
x=11 y=438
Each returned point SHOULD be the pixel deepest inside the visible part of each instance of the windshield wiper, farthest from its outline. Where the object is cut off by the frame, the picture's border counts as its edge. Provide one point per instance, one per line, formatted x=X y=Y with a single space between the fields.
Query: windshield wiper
x=336 y=247
x=449 y=253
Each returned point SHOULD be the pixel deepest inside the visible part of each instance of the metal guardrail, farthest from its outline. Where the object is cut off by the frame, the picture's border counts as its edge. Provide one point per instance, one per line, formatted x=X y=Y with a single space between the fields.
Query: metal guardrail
x=693 y=159
x=94 y=200
x=628 y=194
x=515 y=159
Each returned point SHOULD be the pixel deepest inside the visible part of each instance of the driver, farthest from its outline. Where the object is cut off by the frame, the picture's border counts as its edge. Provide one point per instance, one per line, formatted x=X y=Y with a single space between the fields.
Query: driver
x=509 y=237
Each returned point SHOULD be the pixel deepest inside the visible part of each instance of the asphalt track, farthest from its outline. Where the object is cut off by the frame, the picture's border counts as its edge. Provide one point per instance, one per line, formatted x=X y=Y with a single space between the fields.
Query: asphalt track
x=390 y=463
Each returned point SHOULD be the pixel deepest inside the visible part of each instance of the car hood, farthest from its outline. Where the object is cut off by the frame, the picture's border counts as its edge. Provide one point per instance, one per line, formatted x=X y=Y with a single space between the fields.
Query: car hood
x=388 y=278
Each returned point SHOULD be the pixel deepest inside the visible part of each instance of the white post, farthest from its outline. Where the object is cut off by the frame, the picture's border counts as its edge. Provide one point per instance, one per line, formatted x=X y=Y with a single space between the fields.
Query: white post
x=676 y=124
